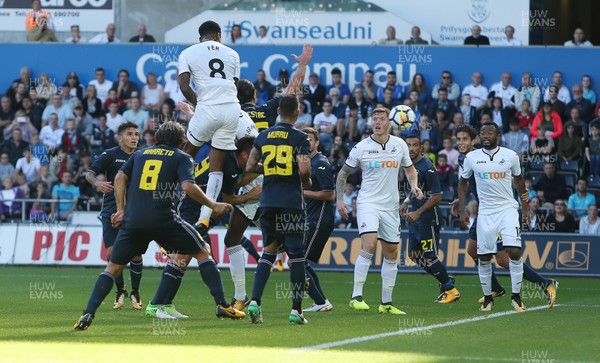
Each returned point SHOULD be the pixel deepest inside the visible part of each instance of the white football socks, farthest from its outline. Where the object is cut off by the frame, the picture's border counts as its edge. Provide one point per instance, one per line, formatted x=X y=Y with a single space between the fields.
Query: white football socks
x=485 y=276
x=389 y=271
x=237 y=270
x=516 y=274
x=213 y=188
x=361 y=269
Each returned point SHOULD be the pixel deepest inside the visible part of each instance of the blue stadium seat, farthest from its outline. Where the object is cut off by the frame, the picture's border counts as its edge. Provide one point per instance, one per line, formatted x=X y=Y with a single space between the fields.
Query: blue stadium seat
x=569 y=166
x=594 y=182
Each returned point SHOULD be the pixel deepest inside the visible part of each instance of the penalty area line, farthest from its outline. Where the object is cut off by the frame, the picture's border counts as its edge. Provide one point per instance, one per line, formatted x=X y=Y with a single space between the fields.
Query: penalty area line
x=412 y=330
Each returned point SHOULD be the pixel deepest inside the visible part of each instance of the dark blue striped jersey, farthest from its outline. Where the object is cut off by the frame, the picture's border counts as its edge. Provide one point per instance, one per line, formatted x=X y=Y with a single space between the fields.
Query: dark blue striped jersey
x=265 y=115
x=278 y=147
x=429 y=183
x=154 y=175
x=472 y=184
x=322 y=179
x=109 y=163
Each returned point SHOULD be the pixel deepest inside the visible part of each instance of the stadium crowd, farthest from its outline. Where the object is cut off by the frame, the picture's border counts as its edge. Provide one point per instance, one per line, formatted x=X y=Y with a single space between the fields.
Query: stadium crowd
x=51 y=131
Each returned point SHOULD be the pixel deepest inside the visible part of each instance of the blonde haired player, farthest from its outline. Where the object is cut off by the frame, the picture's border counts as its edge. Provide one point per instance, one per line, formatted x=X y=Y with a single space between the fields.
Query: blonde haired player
x=380 y=157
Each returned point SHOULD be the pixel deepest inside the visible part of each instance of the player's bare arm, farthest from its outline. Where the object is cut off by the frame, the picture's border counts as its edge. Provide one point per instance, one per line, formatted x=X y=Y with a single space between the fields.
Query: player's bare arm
x=186 y=108
x=413 y=181
x=519 y=182
x=246 y=179
x=342 y=207
x=431 y=202
x=253 y=165
x=328 y=195
x=101 y=186
x=194 y=192
x=253 y=194
x=120 y=191
x=463 y=188
x=298 y=77
x=184 y=85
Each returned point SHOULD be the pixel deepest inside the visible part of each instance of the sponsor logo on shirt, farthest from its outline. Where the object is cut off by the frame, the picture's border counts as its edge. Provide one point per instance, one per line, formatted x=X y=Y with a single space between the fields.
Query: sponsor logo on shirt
x=491 y=175
x=384 y=164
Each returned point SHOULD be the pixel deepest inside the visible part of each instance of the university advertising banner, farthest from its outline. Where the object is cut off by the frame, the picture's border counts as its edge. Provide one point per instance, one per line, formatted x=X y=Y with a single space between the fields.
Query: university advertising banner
x=551 y=254
x=90 y=15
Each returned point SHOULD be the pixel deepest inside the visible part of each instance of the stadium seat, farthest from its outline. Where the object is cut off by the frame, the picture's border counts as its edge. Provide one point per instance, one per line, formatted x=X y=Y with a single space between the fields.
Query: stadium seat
x=569 y=166
x=535 y=175
x=447 y=196
x=595 y=192
x=593 y=182
x=570 y=177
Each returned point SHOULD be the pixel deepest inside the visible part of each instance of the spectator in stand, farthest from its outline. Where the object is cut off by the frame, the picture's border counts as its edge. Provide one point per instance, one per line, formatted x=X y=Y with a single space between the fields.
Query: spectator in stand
x=38 y=150
x=315 y=93
x=586 y=108
x=108 y=36
x=68 y=195
x=27 y=166
x=282 y=81
x=505 y=91
x=590 y=224
x=172 y=89
x=15 y=145
x=7 y=114
x=72 y=140
x=114 y=98
x=578 y=39
x=442 y=103
x=338 y=108
x=569 y=145
x=75 y=87
x=352 y=217
x=510 y=40
x=57 y=107
x=6 y=167
x=21 y=183
x=363 y=104
x=83 y=121
x=397 y=90
x=515 y=139
x=445 y=173
x=416 y=106
x=550 y=119
x=124 y=86
x=142 y=37
x=236 y=36
x=349 y=194
x=264 y=89
x=32 y=17
x=551 y=186
x=563 y=91
x=537 y=218
x=541 y=145
x=580 y=201
x=67 y=98
x=51 y=134
x=103 y=138
x=450 y=152
x=21 y=122
x=325 y=122
x=476 y=38
x=17 y=96
x=472 y=209
x=45 y=177
x=529 y=186
x=453 y=88
x=336 y=76
x=304 y=118
x=368 y=87
x=500 y=116
x=415 y=37
x=592 y=150
x=10 y=209
x=24 y=77
x=588 y=92
x=148 y=139
x=39 y=210
x=390 y=38
x=136 y=114
x=92 y=104
x=557 y=105
x=41 y=32
x=426 y=151
x=355 y=123
x=262 y=36
x=581 y=127
x=61 y=163
x=46 y=89
x=477 y=91
x=75 y=37
x=418 y=84
x=153 y=94
x=562 y=220
x=388 y=100
x=458 y=119
x=428 y=132
x=33 y=112
x=525 y=116
x=102 y=84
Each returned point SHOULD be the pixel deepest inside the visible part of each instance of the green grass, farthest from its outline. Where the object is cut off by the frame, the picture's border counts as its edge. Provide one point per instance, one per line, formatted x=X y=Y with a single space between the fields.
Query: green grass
x=40 y=329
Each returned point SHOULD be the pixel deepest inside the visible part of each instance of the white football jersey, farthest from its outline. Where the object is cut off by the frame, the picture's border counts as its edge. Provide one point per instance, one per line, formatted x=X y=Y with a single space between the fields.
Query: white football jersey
x=246 y=127
x=212 y=67
x=493 y=170
x=380 y=164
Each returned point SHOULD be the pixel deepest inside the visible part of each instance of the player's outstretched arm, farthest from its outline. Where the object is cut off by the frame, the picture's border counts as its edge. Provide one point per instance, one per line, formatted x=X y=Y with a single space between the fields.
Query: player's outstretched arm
x=524 y=195
x=298 y=77
x=253 y=194
x=193 y=191
x=184 y=85
x=253 y=164
x=186 y=108
x=327 y=195
x=413 y=181
x=101 y=186
x=342 y=207
x=463 y=187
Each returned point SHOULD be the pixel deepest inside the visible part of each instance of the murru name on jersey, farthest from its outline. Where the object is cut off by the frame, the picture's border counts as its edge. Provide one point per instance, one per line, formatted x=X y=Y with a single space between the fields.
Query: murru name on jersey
x=277 y=135
x=383 y=164
x=491 y=175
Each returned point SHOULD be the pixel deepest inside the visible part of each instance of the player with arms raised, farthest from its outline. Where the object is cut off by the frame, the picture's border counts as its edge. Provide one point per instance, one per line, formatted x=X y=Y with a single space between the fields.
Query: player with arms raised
x=215 y=70
x=494 y=168
x=284 y=152
x=380 y=157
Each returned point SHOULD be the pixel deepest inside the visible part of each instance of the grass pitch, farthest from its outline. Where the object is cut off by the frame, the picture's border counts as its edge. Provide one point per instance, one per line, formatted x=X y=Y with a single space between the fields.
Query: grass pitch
x=42 y=304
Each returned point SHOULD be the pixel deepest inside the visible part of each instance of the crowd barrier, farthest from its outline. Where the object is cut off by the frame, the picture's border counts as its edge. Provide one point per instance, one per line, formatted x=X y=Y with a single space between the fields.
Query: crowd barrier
x=81 y=245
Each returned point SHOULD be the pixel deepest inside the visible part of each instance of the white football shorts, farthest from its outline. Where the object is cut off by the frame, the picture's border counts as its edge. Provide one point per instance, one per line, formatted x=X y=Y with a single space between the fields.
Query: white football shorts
x=215 y=123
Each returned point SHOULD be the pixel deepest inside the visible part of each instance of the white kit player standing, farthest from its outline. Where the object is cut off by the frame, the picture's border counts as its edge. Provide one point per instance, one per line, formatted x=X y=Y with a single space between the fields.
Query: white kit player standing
x=215 y=70
x=380 y=157
x=495 y=168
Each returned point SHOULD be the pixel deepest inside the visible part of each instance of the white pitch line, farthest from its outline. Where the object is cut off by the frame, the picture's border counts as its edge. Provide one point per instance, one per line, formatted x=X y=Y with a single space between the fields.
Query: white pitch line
x=412 y=330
